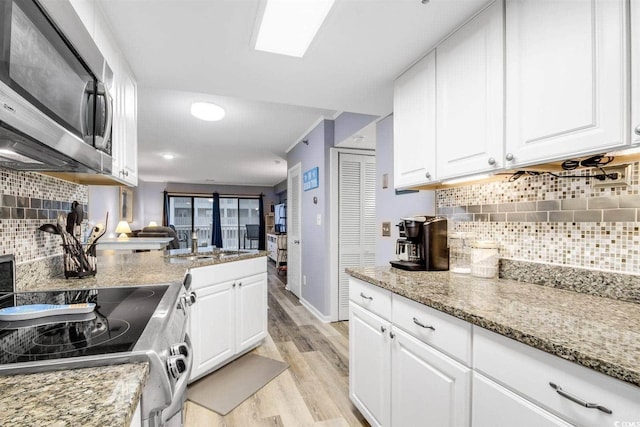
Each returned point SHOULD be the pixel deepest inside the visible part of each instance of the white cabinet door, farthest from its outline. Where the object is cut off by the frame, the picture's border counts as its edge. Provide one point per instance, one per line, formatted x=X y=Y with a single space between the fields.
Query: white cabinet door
x=470 y=104
x=566 y=78
x=635 y=70
x=427 y=387
x=125 y=130
x=369 y=365
x=251 y=308
x=495 y=406
x=212 y=327
x=414 y=124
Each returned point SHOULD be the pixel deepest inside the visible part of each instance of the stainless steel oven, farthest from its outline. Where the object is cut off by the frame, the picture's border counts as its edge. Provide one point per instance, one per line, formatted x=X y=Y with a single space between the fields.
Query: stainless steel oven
x=49 y=93
x=128 y=324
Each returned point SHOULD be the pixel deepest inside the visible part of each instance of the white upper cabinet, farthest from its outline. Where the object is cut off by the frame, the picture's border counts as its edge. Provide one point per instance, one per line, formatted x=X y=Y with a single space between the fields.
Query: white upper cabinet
x=470 y=80
x=635 y=70
x=414 y=124
x=566 y=84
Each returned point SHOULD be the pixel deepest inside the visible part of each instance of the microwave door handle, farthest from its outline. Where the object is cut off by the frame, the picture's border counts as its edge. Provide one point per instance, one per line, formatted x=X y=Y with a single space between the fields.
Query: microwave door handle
x=103 y=136
x=87 y=104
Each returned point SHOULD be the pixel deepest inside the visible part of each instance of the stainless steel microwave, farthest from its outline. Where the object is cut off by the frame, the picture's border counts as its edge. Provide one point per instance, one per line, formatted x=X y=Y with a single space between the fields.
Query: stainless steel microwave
x=55 y=108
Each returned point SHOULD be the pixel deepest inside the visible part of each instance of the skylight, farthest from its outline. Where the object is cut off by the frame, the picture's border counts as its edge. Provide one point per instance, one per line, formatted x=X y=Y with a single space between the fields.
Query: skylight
x=289 y=26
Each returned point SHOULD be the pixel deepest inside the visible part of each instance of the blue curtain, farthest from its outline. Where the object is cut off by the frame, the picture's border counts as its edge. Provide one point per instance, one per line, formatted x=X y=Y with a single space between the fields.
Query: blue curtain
x=165 y=210
x=261 y=238
x=216 y=228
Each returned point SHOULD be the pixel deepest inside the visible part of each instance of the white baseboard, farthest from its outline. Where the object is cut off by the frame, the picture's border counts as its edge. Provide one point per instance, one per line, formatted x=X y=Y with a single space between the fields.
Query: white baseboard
x=321 y=317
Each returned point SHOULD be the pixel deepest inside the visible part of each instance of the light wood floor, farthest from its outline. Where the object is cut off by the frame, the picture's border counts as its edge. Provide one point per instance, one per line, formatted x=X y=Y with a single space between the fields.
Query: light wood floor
x=314 y=391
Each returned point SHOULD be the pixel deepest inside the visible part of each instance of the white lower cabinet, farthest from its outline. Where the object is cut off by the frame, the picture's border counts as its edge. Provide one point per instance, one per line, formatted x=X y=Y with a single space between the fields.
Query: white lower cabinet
x=229 y=316
x=369 y=365
x=427 y=387
x=495 y=406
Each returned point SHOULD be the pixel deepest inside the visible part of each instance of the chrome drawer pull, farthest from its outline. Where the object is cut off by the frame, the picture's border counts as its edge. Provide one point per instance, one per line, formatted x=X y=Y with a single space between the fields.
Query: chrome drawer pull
x=382 y=329
x=579 y=401
x=417 y=322
x=366 y=297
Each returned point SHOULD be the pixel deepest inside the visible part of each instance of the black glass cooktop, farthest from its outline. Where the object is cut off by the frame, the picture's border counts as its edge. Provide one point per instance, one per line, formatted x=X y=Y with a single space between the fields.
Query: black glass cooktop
x=115 y=325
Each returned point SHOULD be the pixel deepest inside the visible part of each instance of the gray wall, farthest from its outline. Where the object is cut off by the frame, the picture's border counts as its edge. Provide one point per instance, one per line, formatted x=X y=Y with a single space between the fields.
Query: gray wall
x=346 y=124
x=315 y=238
x=391 y=207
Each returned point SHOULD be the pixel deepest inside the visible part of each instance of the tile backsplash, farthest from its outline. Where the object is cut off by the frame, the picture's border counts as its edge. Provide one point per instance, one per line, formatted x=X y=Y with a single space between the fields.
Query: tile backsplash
x=562 y=221
x=28 y=200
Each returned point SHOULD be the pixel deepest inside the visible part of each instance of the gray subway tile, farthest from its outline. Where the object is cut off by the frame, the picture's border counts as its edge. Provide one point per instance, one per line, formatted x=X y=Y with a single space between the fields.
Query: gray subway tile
x=619 y=215
x=507 y=207
x=46 y=204
x=489 y=208
x=516 y=217
x=574 y=204
x=53 y=214
x=5 y=213
x=445 y=210
x=56 y=204
x=42 y=214
x=548 y=205
x=462 y=217
x=474 y=208
x=497 y=217
x=22 y=202
x=537 y=216
x=481 y=217
x=459 y=210
x=8 y=200
x=629 y=201
x=526 y=206
x=588 y=216
x=17 y=213
x=31 y=213
x=603 y=202
x=561 y=216
x=36 y=203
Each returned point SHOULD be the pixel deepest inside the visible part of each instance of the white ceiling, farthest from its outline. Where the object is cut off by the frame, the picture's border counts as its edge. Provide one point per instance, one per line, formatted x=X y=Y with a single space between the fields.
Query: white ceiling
x=193 y=50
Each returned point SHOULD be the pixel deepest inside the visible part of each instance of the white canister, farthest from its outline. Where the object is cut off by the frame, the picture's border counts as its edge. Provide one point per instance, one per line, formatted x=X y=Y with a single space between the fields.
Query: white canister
x=484 y=258
x=460 y=252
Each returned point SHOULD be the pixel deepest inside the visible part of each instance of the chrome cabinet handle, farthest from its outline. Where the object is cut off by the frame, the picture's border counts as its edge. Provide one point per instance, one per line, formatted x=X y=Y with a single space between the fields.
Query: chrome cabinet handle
x=239 y=283
x=192 y=298
x=579 y=401
x=297 y=242
x=491 y=161
x=234 y=285
x=637 y=130
x=366 y=297
x=392 y=335
x=382 y=329
x=509 y=157
x=427 y=175
x=417 y=322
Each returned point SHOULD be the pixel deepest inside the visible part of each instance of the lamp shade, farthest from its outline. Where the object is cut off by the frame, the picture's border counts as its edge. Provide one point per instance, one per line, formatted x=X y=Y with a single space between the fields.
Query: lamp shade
x=153 y=224
x=122 y=229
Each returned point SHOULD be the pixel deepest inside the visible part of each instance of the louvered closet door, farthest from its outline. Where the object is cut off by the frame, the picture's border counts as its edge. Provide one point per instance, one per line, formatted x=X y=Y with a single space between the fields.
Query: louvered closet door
x=357 y=211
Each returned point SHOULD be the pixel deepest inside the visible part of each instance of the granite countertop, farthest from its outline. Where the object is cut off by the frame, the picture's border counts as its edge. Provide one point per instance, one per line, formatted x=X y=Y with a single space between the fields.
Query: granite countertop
x=105 y=396
x=600 y=333
x=120 y=268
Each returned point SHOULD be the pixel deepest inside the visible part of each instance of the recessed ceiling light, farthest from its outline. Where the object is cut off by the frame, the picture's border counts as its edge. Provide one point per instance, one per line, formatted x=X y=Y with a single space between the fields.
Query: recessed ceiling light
x=207 y=111
x=288 y=27
x=168 y=156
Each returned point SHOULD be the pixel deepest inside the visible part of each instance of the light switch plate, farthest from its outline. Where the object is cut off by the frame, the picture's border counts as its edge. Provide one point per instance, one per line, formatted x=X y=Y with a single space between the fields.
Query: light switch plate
x=386 y=229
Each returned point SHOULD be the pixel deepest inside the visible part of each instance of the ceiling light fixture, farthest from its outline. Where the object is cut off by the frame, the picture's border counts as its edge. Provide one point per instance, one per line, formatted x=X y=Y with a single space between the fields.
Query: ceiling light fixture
x=207 y=111
x=168 y=156
x=288 y=27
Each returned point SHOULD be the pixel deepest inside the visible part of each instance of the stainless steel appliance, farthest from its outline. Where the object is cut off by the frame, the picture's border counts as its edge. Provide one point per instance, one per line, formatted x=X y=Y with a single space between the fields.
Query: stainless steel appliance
x=129 y=324
x=422 y=244
x=55 y=108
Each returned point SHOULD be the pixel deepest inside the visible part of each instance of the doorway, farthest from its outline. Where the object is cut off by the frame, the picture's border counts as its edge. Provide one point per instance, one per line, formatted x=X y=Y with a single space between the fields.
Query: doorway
x=294 y=248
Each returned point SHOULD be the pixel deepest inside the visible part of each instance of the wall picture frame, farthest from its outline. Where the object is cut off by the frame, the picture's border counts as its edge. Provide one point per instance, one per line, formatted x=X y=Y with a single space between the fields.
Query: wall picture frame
x=126 y=204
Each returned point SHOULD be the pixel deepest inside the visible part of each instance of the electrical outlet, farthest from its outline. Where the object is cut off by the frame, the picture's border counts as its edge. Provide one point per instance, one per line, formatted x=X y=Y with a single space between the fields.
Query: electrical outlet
x=624 y=175
x=386 y=229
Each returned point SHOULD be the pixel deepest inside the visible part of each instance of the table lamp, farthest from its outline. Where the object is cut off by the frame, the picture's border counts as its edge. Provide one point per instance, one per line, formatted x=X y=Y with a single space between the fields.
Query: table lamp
x=153 y=224
x=122 y=229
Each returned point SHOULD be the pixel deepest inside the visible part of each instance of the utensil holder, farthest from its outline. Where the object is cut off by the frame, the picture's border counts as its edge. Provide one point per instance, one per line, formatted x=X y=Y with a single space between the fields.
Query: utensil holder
x=77 y=263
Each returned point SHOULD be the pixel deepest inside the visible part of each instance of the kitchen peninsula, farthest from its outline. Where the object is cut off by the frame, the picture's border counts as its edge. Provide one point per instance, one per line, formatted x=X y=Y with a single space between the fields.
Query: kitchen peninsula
x=106 y=395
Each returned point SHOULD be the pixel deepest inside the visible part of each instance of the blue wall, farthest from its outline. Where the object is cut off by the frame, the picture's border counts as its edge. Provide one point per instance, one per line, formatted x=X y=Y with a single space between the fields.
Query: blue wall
x=315 y=238
x=389 y=206
x=347 y=124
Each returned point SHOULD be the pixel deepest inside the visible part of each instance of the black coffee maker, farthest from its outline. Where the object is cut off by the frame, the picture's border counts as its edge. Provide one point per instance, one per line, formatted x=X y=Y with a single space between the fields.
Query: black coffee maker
x=422 y=245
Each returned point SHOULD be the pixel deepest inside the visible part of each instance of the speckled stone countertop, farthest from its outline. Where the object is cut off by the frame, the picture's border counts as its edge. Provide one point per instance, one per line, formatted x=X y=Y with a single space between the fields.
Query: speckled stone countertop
x=600 y=333
x=120 y=268
x=102 y=396
x=105 y=396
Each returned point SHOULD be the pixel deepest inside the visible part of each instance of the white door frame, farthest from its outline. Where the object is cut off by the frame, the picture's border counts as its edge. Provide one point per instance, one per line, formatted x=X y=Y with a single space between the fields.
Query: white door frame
x=290 y=245
x=334 y=225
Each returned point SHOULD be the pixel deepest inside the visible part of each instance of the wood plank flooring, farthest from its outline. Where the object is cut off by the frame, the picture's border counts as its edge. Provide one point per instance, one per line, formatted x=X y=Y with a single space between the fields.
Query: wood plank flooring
x=314 y=391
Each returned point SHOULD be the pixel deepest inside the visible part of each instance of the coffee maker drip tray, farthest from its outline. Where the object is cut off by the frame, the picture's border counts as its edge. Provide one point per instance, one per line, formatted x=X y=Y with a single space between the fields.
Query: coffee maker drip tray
x=408 y=265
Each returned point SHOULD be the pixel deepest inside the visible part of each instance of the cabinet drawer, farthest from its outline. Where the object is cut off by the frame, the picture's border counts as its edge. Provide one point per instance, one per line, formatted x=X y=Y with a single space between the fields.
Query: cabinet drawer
x=212 y=274
x=371 y=297
x=528 y=371
x=445 y=332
